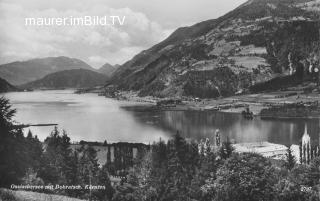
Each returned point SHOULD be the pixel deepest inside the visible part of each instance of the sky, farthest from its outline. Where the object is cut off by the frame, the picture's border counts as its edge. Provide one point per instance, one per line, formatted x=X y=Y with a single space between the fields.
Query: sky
x=146 y=23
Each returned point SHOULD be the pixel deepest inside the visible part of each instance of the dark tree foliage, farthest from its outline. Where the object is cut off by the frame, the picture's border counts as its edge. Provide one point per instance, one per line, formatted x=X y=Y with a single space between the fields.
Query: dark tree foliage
x=245 y=177
x=290 y=159
x=88 y=167
x=275 y=84
x=165 y=173
x=17 y=153
x=302 y=183
x=211 y=83
x=226 y=150
x=125 y=192
x=207 y=169
x=288 y=190
x=57 y=159
x=177 y=170
x=103 y=179
x=314 y=172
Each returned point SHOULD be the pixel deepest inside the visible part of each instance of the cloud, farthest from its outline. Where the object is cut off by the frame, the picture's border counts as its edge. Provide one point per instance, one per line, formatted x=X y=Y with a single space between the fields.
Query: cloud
x=93 y=44
x=147 y=23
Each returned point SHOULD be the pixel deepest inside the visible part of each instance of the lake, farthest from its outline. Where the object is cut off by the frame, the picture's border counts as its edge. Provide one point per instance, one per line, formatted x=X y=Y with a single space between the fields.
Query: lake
x=94 y=118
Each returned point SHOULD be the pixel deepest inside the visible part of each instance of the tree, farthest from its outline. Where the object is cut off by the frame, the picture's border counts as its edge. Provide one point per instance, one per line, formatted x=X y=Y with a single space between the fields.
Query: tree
x=207 y=171
x=66 y=157
x=88 y=167
x=291 y=160
x=171 y=169
x=57 y=160
x=125 y=192
x=7 y=113
x=29 y=135
x=32 y=178
x=33 y=148
x=74 y=174
x=104 y=180
x=314 y=172
x=226 y=149
x=109 y=155
x=13 y=153
x=287 y=190
x=302 y=183
x=247 y=177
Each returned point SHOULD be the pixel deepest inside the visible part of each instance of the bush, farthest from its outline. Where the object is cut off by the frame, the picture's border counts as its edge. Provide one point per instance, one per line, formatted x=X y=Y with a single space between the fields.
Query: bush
x=7 y=195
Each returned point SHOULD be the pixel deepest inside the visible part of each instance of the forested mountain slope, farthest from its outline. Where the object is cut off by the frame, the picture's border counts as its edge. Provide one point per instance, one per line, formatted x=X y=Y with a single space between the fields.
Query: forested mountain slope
x=223 y=56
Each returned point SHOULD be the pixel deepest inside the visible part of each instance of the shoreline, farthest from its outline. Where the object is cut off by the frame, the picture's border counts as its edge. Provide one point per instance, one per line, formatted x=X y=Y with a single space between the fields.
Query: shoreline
x=233 y=104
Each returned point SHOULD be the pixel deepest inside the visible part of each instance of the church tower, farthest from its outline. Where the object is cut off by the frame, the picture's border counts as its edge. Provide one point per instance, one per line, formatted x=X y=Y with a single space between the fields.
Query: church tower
x=306 y=146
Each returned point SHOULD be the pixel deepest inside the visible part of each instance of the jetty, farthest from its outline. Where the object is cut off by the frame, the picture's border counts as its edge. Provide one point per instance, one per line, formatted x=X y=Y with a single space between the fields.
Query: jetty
x=20 y=126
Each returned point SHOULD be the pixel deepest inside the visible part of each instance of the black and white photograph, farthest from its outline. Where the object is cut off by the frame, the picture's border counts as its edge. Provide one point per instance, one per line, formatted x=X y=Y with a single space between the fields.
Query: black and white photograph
x=160 y=100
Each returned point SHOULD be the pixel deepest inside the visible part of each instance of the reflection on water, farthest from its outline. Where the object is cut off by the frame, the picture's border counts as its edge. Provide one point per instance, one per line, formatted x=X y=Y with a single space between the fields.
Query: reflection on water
x=199 y=124
x=94 y=118
x=239 y=129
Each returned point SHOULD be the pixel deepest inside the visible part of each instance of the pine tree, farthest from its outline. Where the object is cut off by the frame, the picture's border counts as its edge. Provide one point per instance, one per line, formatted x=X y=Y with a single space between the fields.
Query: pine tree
x=29 y=135
x=174 y=178
x=206 y=171
x=300 y=151
x=88 y=167
x=74 y=174
x=109 y=155
x=34 y=149
x=13 y=156
x=104 y=180
x=57 y=159
x=291 y=161
x=67 y=161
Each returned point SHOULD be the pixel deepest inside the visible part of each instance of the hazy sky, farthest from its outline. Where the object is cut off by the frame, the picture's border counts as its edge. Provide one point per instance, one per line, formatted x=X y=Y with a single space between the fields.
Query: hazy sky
x=147 y=22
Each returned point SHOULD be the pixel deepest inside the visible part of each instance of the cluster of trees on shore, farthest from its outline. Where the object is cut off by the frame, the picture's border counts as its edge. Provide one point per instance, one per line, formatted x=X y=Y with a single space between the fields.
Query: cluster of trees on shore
x=177 y=170
x=27 y=161
x=174 y=170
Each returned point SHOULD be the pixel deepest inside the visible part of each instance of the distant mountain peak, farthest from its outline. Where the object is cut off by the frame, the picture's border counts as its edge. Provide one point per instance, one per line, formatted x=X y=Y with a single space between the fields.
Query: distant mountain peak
x=107 y=69
x=106 y=65
x=22 y=72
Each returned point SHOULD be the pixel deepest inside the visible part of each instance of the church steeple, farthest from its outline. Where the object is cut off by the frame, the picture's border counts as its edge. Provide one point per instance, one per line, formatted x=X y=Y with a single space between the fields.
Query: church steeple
x=306 y=136
x=306 y=129
x=306 y=153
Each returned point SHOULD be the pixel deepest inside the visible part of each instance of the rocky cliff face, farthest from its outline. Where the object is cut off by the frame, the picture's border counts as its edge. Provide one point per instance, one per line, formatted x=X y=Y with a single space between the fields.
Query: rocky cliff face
x=227 y=55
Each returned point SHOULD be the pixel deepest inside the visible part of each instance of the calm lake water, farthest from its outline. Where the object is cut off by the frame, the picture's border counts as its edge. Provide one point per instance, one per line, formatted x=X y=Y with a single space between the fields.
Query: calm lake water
x=94 y=118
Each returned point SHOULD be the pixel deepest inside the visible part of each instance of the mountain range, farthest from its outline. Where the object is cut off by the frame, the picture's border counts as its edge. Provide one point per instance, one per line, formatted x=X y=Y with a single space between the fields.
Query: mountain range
x=75 y=78
x=227 y=55
x=251 y=45
x=23 y=72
